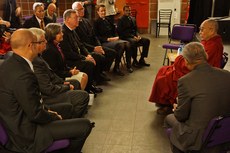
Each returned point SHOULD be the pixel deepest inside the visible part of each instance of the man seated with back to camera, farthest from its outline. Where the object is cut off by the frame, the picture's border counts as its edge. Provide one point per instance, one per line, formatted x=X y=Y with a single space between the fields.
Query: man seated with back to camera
x=203 y=94
x=30 y=126
x=55 y=90
x=164 y=91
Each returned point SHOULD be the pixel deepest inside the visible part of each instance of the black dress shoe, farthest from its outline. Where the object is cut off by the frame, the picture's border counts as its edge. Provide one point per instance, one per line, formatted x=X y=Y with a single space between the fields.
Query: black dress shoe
x=143 y=63
x=118 y=72
x=136 y=64
x=96 y=89
x=129 y=69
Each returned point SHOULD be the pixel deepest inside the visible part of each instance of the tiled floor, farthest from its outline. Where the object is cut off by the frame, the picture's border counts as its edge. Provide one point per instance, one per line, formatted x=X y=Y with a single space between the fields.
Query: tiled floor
x=125 y=121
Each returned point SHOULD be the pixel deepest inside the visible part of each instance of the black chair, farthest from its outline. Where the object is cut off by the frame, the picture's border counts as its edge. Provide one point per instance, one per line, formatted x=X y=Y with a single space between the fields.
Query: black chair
x=164 y=21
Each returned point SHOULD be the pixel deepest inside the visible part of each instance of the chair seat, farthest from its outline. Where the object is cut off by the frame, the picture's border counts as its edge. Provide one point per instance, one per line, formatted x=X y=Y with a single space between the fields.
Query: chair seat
x=171 y=46
x=58 y=144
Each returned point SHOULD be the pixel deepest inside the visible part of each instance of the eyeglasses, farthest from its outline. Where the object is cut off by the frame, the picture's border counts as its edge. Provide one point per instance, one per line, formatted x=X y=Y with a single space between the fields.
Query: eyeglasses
x=78 y=10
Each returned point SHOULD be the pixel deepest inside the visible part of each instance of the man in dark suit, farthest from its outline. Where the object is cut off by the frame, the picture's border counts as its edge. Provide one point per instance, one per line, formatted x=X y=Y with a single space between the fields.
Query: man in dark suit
x=87 y=35
x=202 y=95
x=50 y=12
x=53 y=88
x=127 y=30
x=38 y=20
x=29 y=125
x=75 y=52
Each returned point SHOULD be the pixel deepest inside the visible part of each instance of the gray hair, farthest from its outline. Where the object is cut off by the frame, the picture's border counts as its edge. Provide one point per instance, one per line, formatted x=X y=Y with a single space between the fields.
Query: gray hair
x=194 y=52
x=51 y=30
x=36 y=4
x=75 y=4
x=68 y=13
x=37 y=32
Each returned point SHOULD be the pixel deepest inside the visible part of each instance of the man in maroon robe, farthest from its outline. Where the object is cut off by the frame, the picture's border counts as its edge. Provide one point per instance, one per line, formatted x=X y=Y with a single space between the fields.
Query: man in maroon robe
x=212 y=42
x=164 y=90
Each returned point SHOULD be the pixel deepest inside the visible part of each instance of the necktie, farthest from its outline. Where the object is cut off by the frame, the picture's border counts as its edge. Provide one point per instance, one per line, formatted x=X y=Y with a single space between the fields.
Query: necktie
x=42 y=26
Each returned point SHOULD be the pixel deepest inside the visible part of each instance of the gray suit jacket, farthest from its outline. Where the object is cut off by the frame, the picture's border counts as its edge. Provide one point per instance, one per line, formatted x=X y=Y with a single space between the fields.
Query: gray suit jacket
x=202 y=95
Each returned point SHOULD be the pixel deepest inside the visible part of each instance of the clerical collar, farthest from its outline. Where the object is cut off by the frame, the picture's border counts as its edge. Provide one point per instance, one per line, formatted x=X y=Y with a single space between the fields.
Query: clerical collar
x=69 y=28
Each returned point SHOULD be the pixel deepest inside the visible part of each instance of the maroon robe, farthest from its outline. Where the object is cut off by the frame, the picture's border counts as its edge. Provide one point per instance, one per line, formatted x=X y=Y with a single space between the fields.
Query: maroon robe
x=164 y=90
x=214 y=49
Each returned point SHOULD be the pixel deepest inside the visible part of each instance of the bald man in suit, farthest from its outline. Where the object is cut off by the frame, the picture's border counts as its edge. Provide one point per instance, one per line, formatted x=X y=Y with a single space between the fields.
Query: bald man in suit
x=30 y=126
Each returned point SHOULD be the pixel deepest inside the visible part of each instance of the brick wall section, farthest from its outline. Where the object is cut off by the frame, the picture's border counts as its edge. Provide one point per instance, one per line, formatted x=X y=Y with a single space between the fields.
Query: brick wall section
x=26 y=7
x=66 y=4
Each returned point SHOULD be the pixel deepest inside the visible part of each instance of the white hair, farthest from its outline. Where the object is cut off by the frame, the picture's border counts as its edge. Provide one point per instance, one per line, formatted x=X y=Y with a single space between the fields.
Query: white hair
x=74 y=5
x=36 y=4
x=37 y=32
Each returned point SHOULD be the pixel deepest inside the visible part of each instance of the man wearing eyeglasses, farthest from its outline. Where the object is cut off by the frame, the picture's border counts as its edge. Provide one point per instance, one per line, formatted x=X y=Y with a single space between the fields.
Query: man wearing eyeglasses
x=38 y=20
x=212 y=42
x=32 y=127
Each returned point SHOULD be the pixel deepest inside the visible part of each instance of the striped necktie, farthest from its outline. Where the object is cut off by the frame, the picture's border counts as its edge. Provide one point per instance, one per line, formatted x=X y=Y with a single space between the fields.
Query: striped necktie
x=42 y=26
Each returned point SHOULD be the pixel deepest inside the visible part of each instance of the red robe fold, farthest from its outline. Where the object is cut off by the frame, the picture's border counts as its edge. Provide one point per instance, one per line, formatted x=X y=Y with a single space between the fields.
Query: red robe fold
x=4 y=46
x=164 y=90
x=214 y=49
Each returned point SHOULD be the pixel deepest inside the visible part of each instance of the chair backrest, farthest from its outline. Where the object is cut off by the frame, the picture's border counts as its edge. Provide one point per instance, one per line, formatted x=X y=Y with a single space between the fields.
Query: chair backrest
x=165 y=16
x=183 y=32
x=3 y=135
x=217 y=132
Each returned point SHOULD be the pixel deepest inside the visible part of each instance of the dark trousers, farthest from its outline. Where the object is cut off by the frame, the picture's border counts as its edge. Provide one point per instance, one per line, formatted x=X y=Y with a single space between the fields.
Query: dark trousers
x=77 y=130
x=78 y=98
x=145 y=42
x=100 y=63
x=120 y=46
x=110 y=55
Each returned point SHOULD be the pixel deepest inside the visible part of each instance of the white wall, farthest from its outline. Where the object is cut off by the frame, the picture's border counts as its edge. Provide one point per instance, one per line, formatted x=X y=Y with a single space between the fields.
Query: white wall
x=175 y=5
